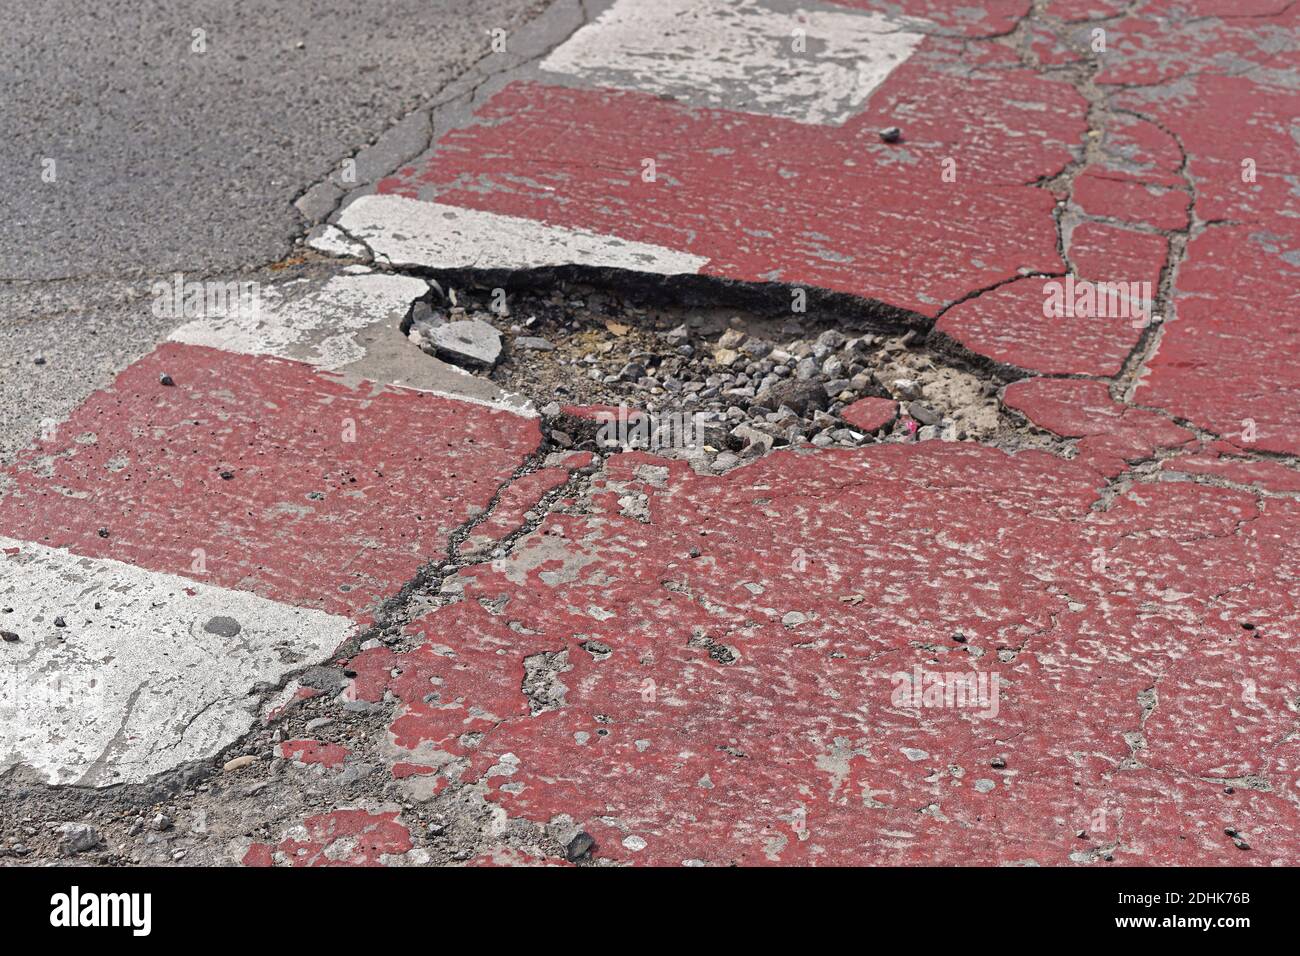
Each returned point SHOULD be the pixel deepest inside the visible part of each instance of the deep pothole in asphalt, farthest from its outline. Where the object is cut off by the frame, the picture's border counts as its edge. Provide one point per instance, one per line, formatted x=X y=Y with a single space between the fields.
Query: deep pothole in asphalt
x=734 y=383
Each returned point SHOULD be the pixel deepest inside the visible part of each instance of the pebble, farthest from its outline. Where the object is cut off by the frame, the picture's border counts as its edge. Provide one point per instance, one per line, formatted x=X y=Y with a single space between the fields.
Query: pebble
x=9 y=637
x=891 y=134
x=162 y=822
x=464 y=342
x=166 y=380
x=534 y=343
x=923 y=414
x=580 y=847
x=238 y=763
x=908 y=388
x=78 y=838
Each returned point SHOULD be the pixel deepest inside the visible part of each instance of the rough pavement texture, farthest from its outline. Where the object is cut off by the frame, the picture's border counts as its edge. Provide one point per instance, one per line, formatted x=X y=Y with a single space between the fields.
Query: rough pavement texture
x=926 y=652
x=167 y=159
x=171 y=157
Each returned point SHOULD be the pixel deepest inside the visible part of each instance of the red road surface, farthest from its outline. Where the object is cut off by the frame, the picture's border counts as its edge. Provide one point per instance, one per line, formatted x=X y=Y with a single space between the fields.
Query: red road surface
x=739 y=650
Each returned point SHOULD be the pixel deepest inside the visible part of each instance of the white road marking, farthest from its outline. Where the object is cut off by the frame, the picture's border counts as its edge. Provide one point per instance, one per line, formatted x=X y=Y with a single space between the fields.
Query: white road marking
x=320 y=329
x=408 y=232
x=160 y=673
x=333 y=241
x=740 y=55
x=351 y=325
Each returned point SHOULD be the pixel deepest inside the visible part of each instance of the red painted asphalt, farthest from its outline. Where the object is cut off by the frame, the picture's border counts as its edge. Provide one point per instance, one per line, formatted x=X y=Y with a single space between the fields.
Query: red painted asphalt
x=291 y=484
x=738 y=649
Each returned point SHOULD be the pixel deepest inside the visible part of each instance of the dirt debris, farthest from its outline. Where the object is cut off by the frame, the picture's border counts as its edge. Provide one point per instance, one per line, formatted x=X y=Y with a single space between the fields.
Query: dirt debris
x=743 y=383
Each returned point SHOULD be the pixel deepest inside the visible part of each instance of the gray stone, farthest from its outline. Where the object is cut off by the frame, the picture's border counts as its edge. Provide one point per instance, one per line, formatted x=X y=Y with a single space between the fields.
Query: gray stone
x=77 y=838
x=802 y=397
x=533 y=343
x=467 y=342
x=923 y=414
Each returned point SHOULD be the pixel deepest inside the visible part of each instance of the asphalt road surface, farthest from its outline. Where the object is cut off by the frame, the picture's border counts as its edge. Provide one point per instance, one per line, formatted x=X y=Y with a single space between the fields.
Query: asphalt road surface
x=135 y=146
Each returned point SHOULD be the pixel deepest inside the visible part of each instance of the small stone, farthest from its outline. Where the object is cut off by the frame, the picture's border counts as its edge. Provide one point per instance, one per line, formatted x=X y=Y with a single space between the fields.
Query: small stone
x=102 y=532
x=907 y=388
x=580 y=847
x=9 y=637
x=165 y=379
x=632 y=372
x=162 y=822
x=725 y=357
x=997 y=763
x=237 y=763
x=801 y=397
x=832 y=339
x=959 y=637
x=467 y=342
x=60 y=622
x=533 y=343
x=891 y=134
x=923 y=414
x=78 y=838
x=731 y=339
x=39 y=360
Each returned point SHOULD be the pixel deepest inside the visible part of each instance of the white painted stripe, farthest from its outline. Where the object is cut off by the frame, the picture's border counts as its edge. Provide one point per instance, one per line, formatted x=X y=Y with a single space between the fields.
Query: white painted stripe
x=350 y=325
x=159 y=673
x=740 y=55
x=315 y=326
x=408 y=232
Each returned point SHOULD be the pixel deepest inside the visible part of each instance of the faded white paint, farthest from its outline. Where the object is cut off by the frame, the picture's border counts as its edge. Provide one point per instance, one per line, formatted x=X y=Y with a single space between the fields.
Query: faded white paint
x=740 y=55
x=333 y=241
x=408 y=232
x=319 y=327
x=160 y=673
x=351 y=325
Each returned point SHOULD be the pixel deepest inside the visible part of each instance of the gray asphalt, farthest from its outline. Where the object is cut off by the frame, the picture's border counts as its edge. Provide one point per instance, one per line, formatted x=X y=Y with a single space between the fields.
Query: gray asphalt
x=171 y=160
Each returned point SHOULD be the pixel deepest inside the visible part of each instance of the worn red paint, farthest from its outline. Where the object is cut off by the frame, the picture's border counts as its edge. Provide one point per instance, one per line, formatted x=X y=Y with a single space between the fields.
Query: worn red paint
x=871 y=414
x=771 y=199
x=313 y=752
x=721 y=730
x=339 y=838
x=1007 y=325
x=247 y=466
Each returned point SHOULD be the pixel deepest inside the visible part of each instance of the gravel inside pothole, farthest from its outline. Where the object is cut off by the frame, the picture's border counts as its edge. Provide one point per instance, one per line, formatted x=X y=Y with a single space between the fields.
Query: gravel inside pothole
x=752 y=383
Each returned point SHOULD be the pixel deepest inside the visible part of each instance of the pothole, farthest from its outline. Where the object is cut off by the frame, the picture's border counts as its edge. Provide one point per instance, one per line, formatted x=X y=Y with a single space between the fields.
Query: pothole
x=716 y=386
